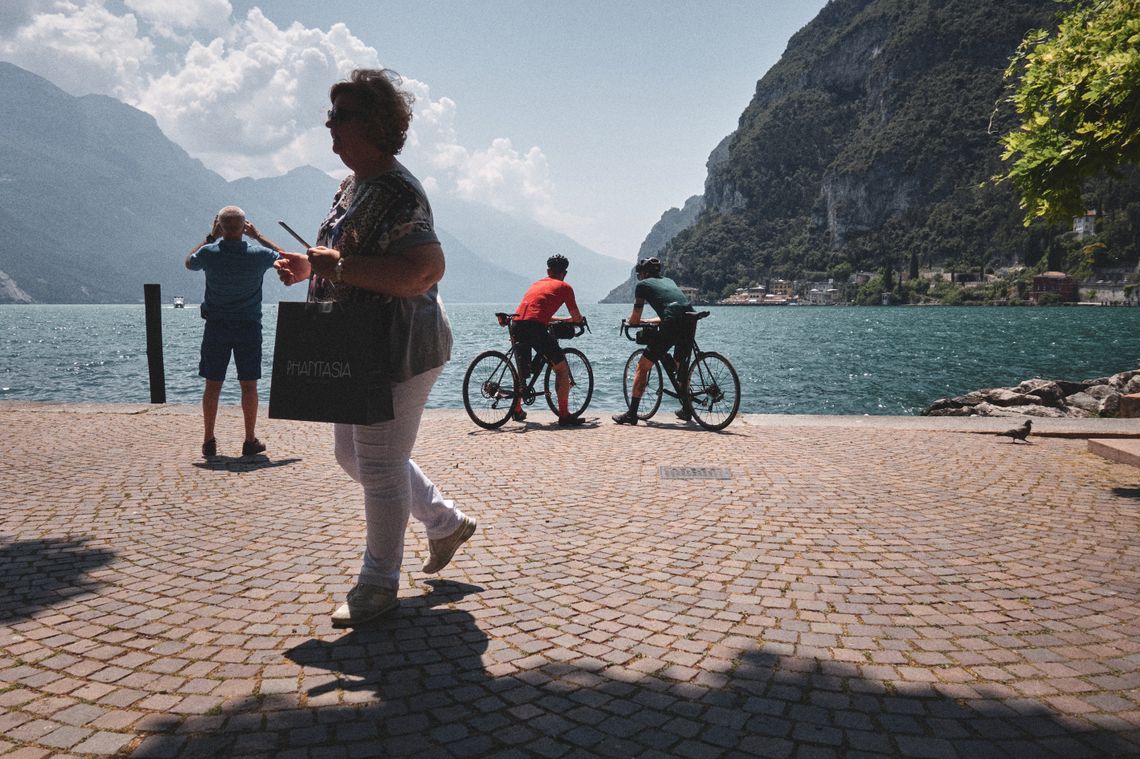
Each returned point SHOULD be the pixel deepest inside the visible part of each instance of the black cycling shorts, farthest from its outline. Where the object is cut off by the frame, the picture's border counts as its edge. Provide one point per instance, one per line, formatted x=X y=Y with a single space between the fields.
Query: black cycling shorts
x=673 y=333
x=531 y=335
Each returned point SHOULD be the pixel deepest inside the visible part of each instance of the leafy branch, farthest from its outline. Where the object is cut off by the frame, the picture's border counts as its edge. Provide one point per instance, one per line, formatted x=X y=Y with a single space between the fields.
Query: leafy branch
x=1078 y=98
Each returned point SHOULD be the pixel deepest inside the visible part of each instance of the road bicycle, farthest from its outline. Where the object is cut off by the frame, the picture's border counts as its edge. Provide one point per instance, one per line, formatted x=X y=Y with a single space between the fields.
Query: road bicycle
x=713 y=395
x=492 y=385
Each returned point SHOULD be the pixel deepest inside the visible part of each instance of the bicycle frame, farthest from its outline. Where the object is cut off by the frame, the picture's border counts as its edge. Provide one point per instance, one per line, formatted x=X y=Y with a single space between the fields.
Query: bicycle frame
x=494 y=387
x=671 y=370
x=538 y=364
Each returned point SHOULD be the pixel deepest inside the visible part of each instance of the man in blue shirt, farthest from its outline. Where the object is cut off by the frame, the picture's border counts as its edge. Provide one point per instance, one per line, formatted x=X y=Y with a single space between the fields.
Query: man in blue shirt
x=232 y=310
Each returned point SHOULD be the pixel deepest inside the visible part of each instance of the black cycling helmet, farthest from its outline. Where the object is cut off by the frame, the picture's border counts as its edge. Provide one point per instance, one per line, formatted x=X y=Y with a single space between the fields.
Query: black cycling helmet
x=649 y=266
x=558 y=262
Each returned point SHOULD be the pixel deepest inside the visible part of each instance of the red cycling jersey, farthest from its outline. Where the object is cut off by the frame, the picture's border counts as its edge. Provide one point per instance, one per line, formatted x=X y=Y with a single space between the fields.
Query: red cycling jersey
x=544 y=298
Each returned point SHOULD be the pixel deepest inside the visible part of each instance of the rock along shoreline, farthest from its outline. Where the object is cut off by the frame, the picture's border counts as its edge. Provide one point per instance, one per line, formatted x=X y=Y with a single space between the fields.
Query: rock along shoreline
x=1045 y=398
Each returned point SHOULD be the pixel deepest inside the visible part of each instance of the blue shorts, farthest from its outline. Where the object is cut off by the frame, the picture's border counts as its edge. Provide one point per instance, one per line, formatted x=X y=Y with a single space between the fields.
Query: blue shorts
x=223 y=336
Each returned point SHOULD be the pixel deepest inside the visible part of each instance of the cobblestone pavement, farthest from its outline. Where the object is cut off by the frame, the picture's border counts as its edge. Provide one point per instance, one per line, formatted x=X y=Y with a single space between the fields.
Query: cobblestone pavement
x=844 y=592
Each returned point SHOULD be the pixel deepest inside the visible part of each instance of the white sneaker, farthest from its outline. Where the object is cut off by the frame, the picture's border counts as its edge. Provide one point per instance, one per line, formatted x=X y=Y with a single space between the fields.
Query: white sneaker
x=443 y=549
x=365 y=603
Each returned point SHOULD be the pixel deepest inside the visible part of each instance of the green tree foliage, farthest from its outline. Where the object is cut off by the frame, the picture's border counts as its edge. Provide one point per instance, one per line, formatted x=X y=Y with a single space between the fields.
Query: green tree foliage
x=1079 y=100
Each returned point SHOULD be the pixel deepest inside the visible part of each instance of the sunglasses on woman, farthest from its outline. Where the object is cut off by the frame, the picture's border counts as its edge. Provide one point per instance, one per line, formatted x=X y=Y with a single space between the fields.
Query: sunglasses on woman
x=338 y=114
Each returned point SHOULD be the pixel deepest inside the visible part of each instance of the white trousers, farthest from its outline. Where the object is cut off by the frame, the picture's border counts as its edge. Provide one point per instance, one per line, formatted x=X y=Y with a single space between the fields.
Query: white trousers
x=378 y=456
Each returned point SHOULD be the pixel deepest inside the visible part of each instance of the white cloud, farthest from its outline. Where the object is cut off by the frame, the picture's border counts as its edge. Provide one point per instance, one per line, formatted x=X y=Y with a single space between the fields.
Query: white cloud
x=81 y=47
x=255 y=94
x=183 y=14
x=501 y=166
x=498 y=175
x=248 y=98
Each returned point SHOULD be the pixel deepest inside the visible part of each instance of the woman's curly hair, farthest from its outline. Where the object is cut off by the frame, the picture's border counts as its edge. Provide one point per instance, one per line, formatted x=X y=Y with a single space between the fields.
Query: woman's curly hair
x=387 y=108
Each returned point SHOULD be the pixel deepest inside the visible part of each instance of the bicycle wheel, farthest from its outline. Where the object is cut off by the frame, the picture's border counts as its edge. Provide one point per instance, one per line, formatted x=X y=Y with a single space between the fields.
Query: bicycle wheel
x=651 y=401
x=489 y=389
x=581 y=383
x=714 y=391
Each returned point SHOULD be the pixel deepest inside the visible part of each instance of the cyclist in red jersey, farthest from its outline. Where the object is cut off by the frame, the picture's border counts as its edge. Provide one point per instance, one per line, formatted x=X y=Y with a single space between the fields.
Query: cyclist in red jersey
x=530 y=331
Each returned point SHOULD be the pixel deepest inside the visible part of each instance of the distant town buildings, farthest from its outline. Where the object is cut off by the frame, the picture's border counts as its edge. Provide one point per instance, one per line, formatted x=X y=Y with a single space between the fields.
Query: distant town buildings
x=783 y=287
x=1110 y=287
x=757 y=295
x=785 y=292
x=823 y=294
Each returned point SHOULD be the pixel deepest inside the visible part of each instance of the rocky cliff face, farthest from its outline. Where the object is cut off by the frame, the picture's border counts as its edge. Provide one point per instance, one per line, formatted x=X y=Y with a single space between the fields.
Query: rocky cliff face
x=872 y=133
x=671 y=222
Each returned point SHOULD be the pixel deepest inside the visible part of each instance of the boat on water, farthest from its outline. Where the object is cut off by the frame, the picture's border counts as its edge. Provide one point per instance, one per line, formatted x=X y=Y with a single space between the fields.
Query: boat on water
x=179 y=301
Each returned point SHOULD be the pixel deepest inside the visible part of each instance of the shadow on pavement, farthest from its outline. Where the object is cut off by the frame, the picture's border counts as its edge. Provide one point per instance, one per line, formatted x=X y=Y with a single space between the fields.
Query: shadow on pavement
x=238 y=464
x=420 y=617
x=677 y=425
x=430 y=682
x=38 y=574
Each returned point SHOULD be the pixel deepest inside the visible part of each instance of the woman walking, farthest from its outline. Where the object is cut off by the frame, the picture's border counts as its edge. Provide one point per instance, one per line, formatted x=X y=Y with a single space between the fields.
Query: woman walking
x=378 y=244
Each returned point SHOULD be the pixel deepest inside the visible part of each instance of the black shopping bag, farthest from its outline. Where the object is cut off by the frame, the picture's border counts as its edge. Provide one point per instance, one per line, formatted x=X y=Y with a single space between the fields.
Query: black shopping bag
x=329 y=364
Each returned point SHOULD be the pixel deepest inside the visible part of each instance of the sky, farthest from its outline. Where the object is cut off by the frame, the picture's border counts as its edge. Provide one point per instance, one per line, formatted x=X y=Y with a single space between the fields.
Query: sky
x=592 y=118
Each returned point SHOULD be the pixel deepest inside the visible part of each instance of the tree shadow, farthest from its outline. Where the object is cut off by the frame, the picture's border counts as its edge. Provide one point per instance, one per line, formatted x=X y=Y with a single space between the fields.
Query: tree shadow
x=38 y=574
x=430 y=682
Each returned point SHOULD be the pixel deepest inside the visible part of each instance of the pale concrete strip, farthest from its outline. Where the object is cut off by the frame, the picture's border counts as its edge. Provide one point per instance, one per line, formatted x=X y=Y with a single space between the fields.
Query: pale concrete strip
x=1061 y=428
x=1120 y=451
x=984 y=425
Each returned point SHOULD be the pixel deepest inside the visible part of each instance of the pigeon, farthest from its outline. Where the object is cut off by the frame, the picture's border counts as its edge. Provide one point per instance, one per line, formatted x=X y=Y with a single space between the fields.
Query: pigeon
x=1018 y=433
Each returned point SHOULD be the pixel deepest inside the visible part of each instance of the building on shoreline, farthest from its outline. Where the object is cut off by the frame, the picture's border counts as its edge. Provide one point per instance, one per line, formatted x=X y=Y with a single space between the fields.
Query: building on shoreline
x=1057 y=282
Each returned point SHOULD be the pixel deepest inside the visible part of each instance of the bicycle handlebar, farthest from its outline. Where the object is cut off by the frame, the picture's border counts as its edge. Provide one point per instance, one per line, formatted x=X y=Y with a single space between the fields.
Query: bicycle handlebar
x=505 y=320
x=580 y=327
x=625 y=327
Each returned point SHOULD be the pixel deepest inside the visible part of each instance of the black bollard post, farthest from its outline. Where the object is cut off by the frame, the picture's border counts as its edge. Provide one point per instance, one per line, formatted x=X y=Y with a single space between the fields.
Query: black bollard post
x=153 y=299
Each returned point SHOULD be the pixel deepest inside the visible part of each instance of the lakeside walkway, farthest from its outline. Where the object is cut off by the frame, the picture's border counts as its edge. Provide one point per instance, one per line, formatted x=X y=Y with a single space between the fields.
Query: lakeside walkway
x=793 y=587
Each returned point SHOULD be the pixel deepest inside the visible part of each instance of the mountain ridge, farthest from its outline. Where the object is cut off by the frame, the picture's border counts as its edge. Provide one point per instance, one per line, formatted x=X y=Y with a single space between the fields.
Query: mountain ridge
x=95 y=201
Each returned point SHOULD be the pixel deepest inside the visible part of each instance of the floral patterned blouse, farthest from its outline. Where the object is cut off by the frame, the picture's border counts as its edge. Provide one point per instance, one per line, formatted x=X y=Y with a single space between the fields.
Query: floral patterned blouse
x=380 y=217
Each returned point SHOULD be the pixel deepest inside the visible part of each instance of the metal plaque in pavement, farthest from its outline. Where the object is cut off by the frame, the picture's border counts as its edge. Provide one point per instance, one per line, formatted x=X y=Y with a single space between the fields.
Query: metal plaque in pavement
x=694 y=473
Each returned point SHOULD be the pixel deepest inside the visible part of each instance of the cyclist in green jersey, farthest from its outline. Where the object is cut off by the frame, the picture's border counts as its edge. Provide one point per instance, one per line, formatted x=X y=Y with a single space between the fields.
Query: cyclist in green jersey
x=675 y=331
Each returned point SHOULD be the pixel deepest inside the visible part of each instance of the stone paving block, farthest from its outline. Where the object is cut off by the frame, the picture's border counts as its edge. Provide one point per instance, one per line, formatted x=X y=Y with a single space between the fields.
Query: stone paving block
x=103 y=743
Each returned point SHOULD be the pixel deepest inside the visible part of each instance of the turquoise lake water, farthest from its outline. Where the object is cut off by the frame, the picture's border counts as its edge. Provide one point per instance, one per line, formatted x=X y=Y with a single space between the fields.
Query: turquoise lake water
x=791 y=359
